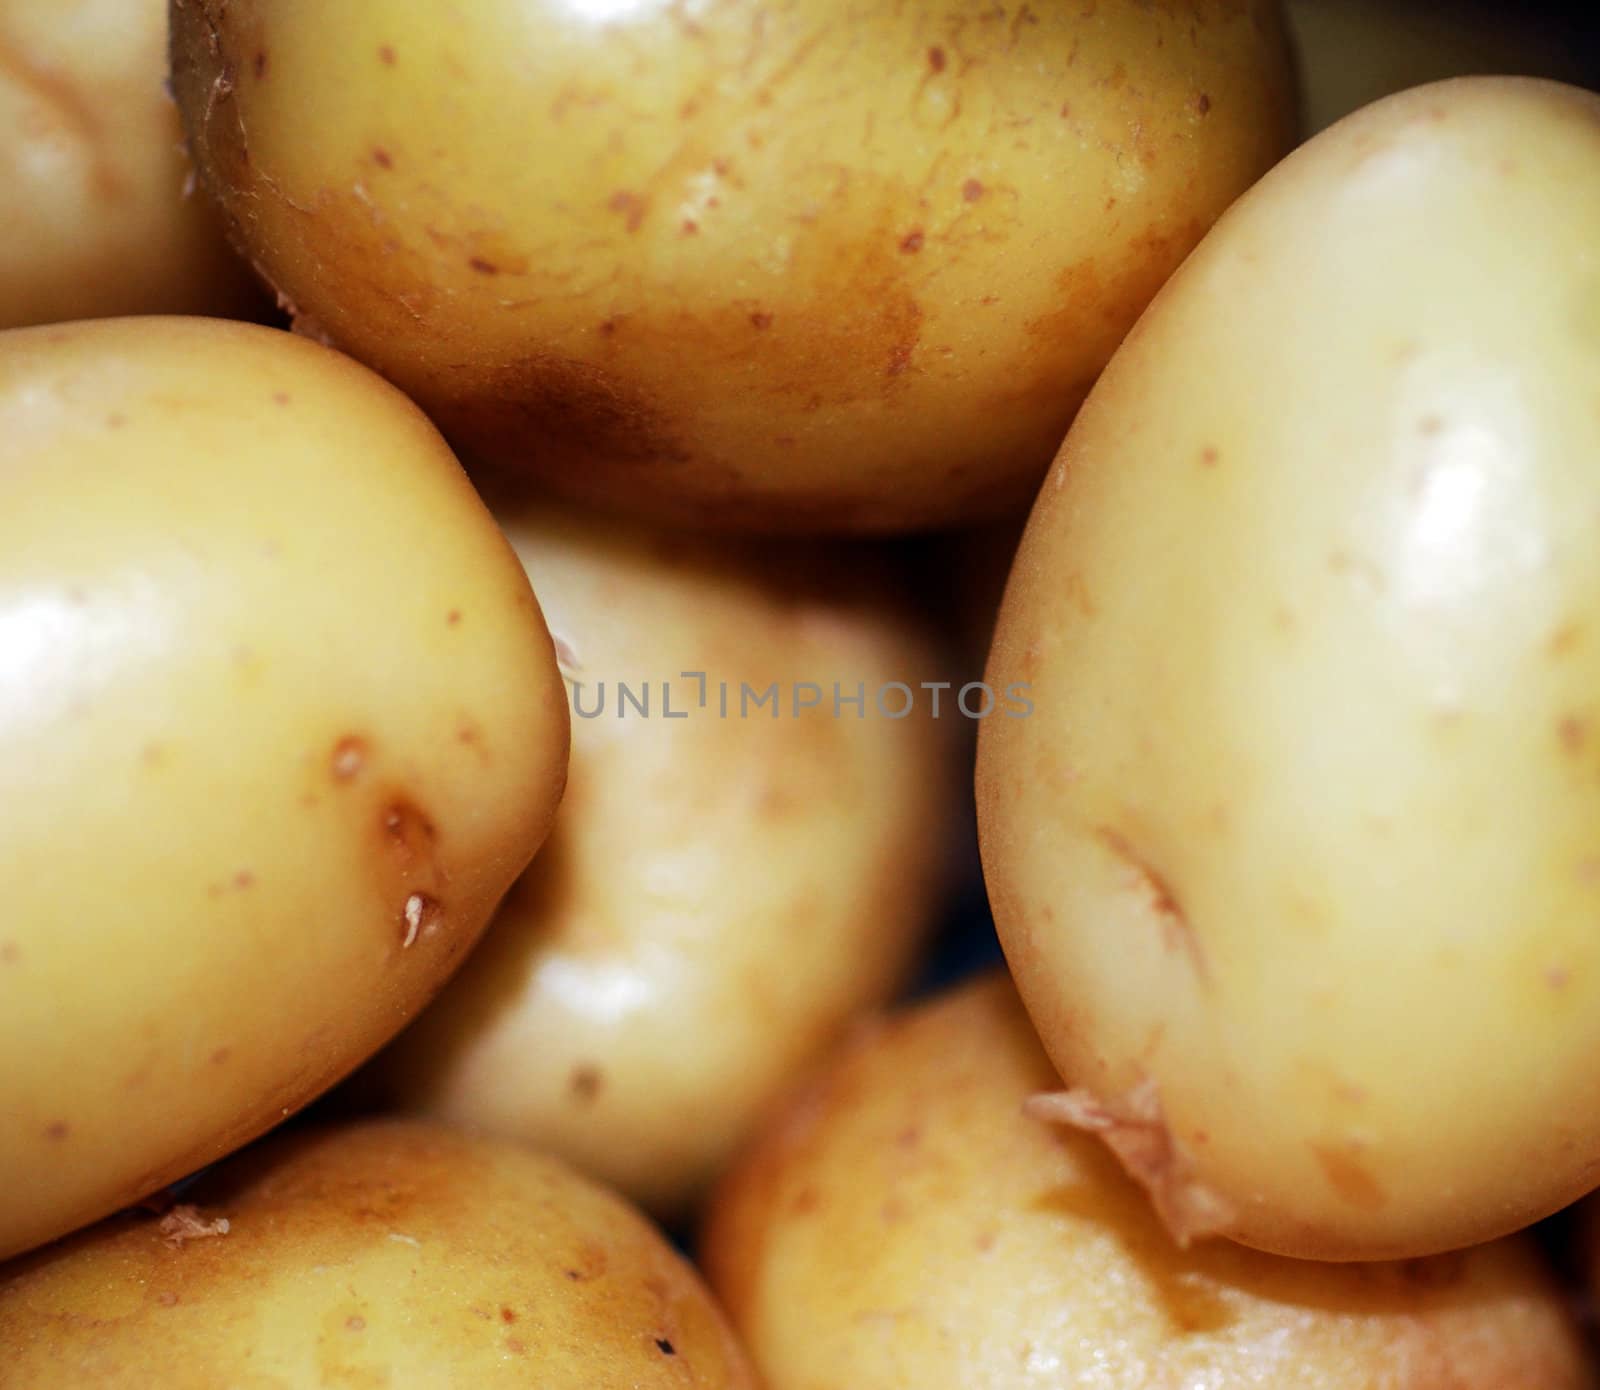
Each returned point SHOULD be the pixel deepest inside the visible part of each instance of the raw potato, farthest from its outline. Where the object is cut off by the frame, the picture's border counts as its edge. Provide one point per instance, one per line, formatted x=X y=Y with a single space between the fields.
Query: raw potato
x=94 y=216
x=825 y=266
x=903 y=1226
x=280 y=723
x=386 y=1254
x=1298 y=861
x=720 y=894
x=1352 y=52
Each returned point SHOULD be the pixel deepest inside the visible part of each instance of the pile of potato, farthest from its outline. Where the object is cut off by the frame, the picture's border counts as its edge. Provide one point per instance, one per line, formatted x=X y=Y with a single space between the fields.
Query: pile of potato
x=507 y=719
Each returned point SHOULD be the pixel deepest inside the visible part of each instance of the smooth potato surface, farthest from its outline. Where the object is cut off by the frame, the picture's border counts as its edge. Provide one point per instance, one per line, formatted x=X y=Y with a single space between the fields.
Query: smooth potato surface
x=721 y=892
x=904 y=1226
x=379 y=1255
x=96 y=217
x=280 y=722
x=824 y=266
x=1298 y=862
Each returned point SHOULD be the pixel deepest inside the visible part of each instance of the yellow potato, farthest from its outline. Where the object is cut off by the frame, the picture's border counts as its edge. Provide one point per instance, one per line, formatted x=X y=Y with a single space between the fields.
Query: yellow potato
x=95 y=216
x=1297 y=862
x=904 y=1226
x=721 y=893
x=378 y=1255
x=807 y=266
x=280 y=723
x=1352 y=52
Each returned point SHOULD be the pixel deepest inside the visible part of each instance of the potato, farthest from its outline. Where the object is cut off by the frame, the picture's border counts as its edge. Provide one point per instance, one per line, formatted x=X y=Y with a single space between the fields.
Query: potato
x=903 y=1226
x=384 y=1254
x=1352 y=52
x=95 y=219
x=827 y=266
x=721 y=893
x=280 y=723
x=1297 y=862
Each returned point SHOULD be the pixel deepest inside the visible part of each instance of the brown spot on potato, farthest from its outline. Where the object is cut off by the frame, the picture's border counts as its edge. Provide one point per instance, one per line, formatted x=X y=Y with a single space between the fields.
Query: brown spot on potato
x=690 y=227
x=280 y=398
x=244 y=880
x=1564 y=640
x=356 y=1323
x=912 y=241
x=482 y=266
x=1348 y=1178
x=1429 y=425
x=1557 y=978
x=630 y=206
x=10 y=953
x=900 y=358
x=409 y=834
x=349 y=757
x=382 y=158
x=167 y=1299
x=986 y=1241
x=258 y=64
x=909 y=1137
x=116 y=420
x=1573 y=733
x=1202 y=104
x=507 y=1314
x=937 y=59
x=386 y=55
x=453 y=617
x=516 y=1347
x=806 y=1200
x=1209 y=457
x=665 y=1347
x=57 y=1130
x=971 y=191
x=220 y=1056
x=585 y=1082
x=761 y=319
x=1177 y=932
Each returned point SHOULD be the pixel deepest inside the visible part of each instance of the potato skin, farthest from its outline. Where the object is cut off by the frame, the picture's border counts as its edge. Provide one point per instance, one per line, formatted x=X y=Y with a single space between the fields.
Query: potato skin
x=720 y=895
x=904 y=1226
x=96 y=220
x=280 y=723
x=1298 y=854
x=816 y=266
x=381 y=1254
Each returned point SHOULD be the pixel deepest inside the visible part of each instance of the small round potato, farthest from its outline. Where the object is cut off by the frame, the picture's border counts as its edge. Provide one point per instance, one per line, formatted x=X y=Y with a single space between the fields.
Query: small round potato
x=1297 y=863
x=382 y=1254
x=280 y=723
x=824 y=266
x=727 y=883
x=95 y=213
x=904 y=1226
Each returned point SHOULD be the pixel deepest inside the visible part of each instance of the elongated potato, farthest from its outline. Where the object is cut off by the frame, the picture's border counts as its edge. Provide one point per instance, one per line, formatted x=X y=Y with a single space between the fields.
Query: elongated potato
x=96 y=213
x=383 y=1254
x=904 y=1226
x=1298 y=861
x=280 y=722
x=728 y=882
x=825 y=266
